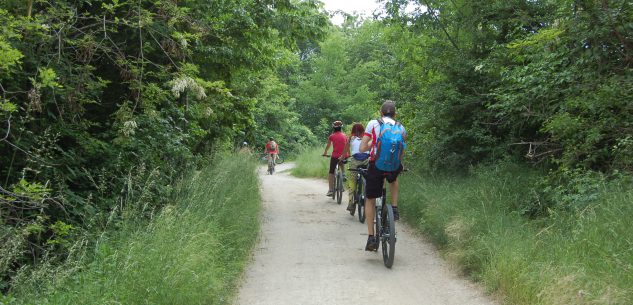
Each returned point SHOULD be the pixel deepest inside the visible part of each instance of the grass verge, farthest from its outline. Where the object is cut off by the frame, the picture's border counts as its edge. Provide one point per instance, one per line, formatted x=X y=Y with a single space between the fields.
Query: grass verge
x=193 y=252
x=311 y=163
x=579 y=257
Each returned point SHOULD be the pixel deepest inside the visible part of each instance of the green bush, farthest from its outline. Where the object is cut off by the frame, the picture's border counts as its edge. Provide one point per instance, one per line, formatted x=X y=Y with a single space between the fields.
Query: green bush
x=192 y=252
x=567 y=256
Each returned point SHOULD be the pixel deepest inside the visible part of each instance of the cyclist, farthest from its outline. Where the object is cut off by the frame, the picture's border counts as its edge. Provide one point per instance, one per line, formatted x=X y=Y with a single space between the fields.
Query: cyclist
x=358 y=160
x=375 y=177
x=337 y=140
x=272 y=149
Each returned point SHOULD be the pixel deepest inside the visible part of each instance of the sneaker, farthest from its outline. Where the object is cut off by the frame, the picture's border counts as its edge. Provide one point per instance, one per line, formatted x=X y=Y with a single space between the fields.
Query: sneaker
x=396 y=214
x=351 y=208
x=372 y=244
x=329 y=193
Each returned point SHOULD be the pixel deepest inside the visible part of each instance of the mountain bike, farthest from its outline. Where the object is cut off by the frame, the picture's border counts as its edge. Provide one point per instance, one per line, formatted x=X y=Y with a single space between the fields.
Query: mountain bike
x=386 y=227
x=339 y=175
x=359 y=194
x=271 y=164
x=339 y=178
x=264 y=157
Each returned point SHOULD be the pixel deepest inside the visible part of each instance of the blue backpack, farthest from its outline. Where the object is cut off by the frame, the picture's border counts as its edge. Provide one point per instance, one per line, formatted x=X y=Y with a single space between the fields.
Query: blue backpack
x=389 y=146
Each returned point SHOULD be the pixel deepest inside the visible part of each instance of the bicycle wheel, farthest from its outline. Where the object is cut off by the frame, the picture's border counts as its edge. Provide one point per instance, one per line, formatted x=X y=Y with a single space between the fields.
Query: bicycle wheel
x=360 y=201
x=377 y=221
x=388 y=236
x=339 y=187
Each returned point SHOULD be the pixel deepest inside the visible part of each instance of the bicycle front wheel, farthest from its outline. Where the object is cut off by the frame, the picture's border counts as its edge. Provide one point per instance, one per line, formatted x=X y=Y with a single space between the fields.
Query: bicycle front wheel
x=339 y=187
x=388 y=236
x=360 y=201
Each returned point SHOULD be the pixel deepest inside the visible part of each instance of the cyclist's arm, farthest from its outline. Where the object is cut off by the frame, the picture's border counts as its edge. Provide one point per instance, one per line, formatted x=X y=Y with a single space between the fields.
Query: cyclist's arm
x=364 y=144
x=329 y=142
x=346 y=151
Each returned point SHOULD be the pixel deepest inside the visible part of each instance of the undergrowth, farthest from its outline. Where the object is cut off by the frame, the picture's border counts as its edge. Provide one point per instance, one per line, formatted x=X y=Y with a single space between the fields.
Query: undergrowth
x=566 y=256
x=192 y=252
x=311 y=163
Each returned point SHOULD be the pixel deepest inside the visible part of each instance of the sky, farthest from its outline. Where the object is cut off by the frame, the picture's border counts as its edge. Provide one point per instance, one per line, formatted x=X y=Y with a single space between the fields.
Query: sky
x=363 y=7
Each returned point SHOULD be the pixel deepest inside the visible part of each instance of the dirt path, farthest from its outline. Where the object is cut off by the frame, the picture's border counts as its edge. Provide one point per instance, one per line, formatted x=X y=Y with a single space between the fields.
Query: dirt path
x=312 y=252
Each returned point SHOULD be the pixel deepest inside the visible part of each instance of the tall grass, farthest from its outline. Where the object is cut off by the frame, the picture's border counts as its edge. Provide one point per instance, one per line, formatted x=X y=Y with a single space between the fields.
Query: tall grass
x=193 y=252
x=569 y=257
x=311 y=163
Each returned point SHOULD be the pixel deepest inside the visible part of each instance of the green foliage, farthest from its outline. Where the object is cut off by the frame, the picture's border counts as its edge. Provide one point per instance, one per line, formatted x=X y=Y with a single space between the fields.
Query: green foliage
x=104 y=105
x=311 y=164
x=192 y=252
x=345 y=79
x=573 y=256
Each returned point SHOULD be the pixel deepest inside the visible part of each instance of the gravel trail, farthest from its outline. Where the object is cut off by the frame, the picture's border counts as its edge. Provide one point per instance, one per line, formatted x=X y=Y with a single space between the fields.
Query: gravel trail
x=311 y=251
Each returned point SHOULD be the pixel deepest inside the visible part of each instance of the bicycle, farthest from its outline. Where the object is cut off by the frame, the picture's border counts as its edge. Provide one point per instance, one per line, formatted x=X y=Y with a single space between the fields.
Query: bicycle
x=271 y=164
x=386 y=229
x=264 y=157
x=339 y=178
x=359 y=194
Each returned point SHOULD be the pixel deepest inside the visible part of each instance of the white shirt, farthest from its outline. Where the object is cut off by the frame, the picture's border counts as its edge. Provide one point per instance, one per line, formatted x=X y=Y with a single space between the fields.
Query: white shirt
x=354 y=145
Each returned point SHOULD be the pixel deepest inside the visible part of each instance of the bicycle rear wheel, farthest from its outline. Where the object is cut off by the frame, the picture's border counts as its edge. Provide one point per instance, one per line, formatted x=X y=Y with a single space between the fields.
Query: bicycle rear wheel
x=388 y=236
x=271 y=167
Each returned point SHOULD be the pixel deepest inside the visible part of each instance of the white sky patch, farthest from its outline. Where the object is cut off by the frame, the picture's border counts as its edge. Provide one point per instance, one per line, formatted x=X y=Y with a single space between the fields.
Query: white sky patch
x=365 y=8
x=362 y=7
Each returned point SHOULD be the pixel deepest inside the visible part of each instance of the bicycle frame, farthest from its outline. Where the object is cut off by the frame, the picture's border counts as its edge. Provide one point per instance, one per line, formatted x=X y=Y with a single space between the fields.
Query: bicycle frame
x=359 y=192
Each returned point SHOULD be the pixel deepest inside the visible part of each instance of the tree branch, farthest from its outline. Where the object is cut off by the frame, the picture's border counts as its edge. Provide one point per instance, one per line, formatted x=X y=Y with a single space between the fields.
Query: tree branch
x=432 y=12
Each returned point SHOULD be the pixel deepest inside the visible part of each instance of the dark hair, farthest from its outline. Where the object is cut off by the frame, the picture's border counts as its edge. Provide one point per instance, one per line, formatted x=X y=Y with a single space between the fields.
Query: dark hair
x=337 y=125
x=358 y=129
x=388 y=108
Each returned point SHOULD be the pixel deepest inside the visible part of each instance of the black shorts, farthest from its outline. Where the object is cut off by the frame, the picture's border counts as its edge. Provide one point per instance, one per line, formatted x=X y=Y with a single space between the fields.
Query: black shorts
x=375 y=180
x=333 y=162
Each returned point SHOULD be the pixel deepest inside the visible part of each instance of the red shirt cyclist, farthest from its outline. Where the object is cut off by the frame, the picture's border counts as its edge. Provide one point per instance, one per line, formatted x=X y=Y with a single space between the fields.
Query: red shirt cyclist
x=337 y=140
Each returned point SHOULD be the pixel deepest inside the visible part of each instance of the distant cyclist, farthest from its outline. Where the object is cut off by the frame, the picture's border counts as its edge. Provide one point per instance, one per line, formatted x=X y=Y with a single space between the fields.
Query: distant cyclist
x=337 y=140
x=272 y=149
x=358 y=159
x=375 y=176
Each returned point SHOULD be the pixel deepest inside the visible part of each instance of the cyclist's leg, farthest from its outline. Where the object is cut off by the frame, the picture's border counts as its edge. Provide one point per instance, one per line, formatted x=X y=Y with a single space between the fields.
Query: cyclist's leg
x=392 y=178
x=393 y=190
x=330 y=177
x=351 y=186
x=373 y=189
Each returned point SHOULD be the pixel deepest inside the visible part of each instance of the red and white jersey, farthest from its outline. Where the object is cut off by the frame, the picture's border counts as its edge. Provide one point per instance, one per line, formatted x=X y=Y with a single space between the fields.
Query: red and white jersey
x=272 y=150
x=373 y=131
